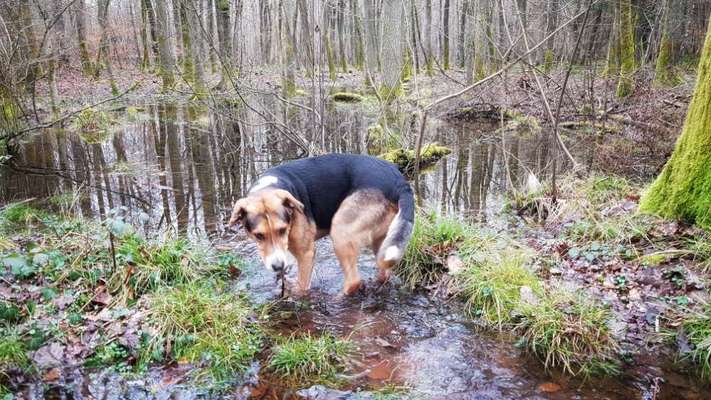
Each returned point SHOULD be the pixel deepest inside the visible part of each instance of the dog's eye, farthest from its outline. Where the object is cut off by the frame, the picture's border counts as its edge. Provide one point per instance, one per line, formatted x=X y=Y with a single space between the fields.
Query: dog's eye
x=259 y=236
x=282 y=231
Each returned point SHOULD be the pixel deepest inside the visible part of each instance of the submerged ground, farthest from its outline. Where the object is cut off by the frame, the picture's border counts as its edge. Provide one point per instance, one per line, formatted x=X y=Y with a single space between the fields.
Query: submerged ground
x=120 y=281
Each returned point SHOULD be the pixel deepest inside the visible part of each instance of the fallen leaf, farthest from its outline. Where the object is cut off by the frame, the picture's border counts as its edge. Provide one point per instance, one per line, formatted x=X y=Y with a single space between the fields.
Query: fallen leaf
x=549 y=387
x=51 y=375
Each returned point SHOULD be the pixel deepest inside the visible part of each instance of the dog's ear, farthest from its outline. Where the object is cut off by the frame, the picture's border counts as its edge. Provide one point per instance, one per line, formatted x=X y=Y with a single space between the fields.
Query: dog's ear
x=289 y=200
x=238 y=212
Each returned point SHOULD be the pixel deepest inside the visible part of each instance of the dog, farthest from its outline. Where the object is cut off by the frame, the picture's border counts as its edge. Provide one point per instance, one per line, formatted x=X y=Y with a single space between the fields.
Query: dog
x=359 y=201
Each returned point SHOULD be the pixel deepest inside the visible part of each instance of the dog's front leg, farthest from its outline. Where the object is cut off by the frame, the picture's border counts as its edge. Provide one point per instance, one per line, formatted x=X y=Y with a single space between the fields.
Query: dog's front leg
x=305 y=261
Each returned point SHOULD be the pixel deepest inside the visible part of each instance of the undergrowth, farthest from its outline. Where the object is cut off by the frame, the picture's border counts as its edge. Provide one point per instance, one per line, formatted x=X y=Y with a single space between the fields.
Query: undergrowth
x=570 y=331
x=697 y=328
x=205 y=325
x=305 y=360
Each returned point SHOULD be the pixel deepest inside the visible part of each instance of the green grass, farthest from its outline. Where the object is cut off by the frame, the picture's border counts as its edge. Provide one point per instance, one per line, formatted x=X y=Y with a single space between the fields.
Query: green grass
x=13 y=356
x=16 y=216
x=435 y=237
x=307 y=359
x=492 y=289
x=697 y=328
x=201 y=324
x=569 y=331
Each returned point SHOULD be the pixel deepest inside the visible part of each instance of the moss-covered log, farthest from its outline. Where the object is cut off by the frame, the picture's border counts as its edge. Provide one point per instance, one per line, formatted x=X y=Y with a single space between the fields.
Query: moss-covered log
x=405 y=159
x=347 y=97
x=683 y=189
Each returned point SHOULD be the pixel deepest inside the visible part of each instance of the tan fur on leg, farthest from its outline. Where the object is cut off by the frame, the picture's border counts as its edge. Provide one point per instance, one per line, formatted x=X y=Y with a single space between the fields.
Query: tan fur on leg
x=362 y=220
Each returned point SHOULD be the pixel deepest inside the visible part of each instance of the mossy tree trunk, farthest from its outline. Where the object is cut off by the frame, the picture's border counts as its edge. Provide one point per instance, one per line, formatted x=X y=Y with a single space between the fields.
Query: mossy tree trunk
x=683 y=189
x=193 y=46
x=78 y=14
x=625 y=84
x=664 y=71
x=104 y=54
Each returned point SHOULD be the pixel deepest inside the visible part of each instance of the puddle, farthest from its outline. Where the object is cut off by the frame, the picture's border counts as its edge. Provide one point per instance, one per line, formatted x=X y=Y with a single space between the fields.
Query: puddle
x=411 y=340
x=181 y=169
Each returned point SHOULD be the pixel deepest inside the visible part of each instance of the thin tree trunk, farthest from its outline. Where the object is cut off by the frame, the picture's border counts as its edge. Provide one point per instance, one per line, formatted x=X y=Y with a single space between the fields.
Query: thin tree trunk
x=167 y=56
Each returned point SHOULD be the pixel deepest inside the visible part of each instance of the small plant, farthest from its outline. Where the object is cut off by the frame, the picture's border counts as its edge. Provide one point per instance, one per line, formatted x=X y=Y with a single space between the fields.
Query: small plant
x=111 y=355
x=569 y=331
x=148 y=266
x=13 y=356
x=697 y=328
x=200 y=324
x=17 y=216
x=309 y=359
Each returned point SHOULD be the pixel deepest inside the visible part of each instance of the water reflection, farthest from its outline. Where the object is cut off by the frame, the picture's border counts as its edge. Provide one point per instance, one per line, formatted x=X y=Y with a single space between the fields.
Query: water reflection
x=183 y=166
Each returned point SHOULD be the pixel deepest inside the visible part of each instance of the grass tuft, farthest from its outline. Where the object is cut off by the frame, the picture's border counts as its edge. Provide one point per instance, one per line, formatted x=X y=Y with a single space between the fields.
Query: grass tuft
x=17 y=216
x=434 y=238
x=307 y=360
x=569 y=331
x=492 y=289
x=697 y=328
x=200 y=324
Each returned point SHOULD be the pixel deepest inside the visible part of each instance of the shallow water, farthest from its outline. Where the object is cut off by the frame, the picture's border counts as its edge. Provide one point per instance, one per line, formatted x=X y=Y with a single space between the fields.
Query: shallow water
x=181 y=168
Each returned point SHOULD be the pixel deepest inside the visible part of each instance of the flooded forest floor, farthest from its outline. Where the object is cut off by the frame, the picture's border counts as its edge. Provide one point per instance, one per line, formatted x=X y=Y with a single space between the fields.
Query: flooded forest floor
x=119 y=280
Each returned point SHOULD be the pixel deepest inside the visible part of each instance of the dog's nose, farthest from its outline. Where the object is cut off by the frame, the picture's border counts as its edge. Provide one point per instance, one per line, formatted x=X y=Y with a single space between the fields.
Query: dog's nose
x=277 y=265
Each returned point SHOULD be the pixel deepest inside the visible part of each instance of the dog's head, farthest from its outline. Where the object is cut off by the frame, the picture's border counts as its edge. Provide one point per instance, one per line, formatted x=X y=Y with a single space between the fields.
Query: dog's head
x=267 y=216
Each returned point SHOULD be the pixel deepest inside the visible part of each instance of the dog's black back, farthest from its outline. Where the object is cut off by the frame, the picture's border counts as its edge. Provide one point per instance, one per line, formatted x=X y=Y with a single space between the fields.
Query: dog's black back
x=322 y=183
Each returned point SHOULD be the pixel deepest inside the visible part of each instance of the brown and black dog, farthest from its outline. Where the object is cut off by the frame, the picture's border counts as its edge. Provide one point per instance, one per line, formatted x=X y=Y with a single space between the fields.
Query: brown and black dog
x=360 y=201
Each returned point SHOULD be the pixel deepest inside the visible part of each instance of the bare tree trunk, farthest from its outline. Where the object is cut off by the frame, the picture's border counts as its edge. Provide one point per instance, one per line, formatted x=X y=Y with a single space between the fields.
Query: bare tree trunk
x=341 y=22
x=462 y=46
x=225 y=37
x=392 y=49
x=445 y=35
x=192 y=45
x=104 y=54
x=167 y=56
x=265 y=35
x=429 y=62
x=359 y=44
x=371 y=42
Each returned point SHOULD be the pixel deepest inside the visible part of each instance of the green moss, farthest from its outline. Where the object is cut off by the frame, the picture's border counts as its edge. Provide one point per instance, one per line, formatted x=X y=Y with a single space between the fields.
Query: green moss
x=683 y=189
x=430 y=154
x=548 y=61
x=625 y=84
x=569 y=331
x=307 y=360
x=347 y=97
x=94 y=126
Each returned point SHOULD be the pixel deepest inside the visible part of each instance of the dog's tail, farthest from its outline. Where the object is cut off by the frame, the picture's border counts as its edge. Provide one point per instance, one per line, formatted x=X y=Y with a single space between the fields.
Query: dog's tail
x=393 y=247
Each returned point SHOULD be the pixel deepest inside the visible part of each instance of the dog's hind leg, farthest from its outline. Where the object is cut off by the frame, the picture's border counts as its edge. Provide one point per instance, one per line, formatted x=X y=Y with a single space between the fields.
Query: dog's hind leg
x=361 y=220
